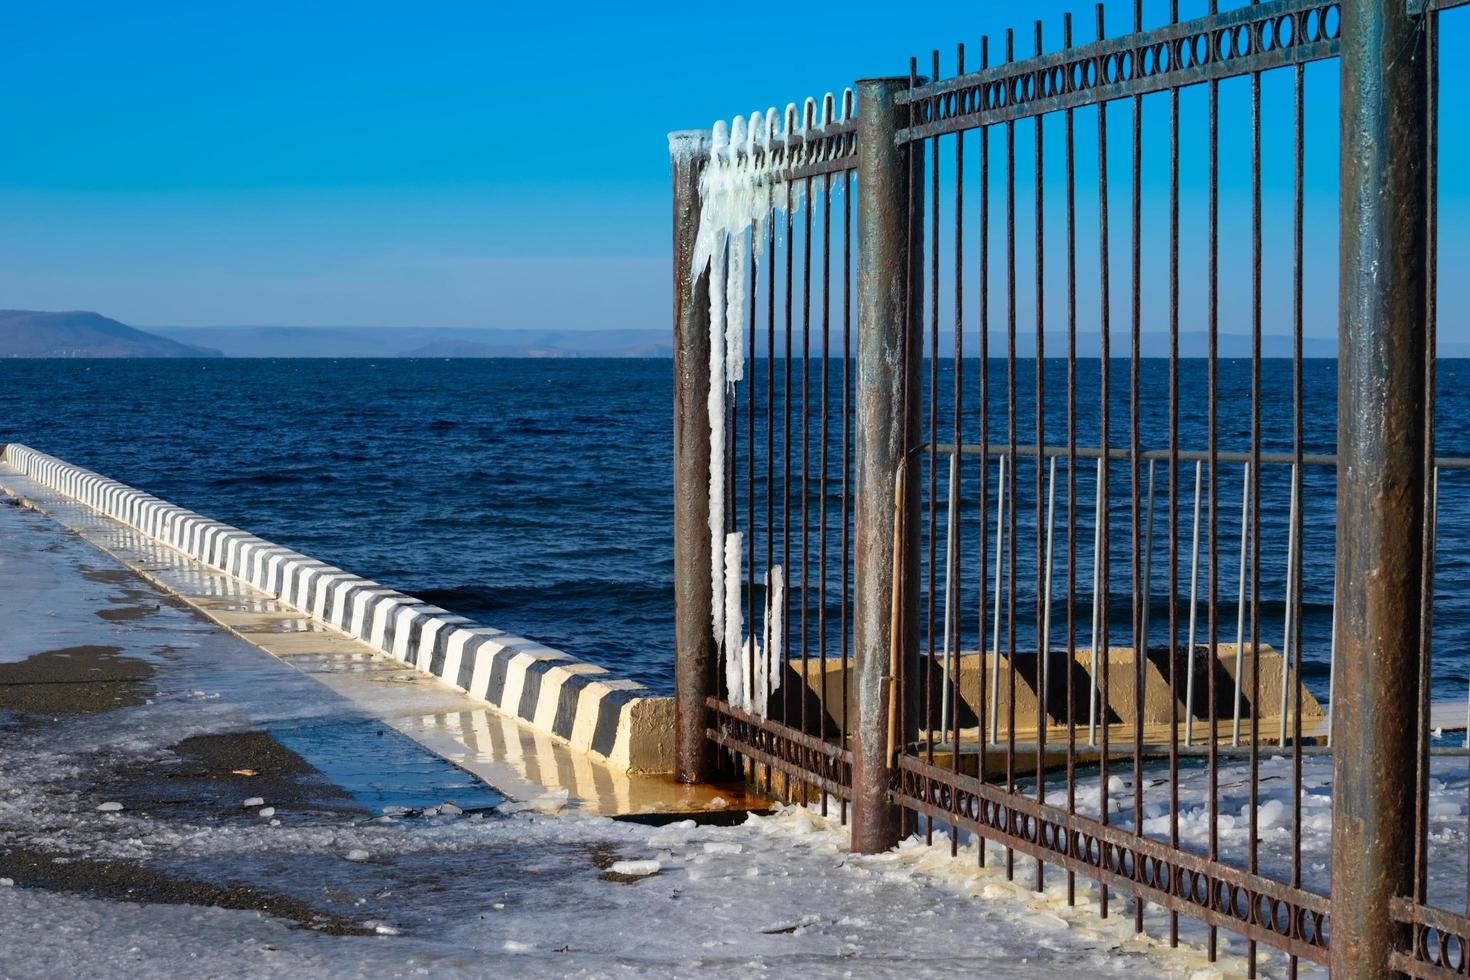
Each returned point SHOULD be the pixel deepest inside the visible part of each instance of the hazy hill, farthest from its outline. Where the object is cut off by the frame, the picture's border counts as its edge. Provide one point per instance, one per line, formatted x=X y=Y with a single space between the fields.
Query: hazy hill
x=267 y=341
x=32 y=333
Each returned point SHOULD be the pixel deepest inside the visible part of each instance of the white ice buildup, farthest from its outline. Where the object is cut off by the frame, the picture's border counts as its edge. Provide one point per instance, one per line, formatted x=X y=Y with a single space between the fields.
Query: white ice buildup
x=735 y=670
x=716 y=406
x=759 y=661
x=763 y=660
x=748 y=159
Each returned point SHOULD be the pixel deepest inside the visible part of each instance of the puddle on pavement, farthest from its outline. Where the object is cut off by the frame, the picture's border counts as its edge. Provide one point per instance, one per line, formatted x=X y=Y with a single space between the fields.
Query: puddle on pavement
x=311 y=767
x=126 y=881
x=213 y=774
x=379 y=767
x=75 y=680
x=128 y=614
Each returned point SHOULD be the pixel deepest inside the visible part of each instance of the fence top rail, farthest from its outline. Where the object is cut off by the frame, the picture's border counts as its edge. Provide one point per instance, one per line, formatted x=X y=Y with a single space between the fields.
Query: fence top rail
x=1233 y=42
x=776 y=146
x=996 y=450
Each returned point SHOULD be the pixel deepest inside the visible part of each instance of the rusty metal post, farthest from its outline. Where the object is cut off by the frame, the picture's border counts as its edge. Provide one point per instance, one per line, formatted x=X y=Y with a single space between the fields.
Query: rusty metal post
x=889 y=223
x=695 y=667
x=1380 y=478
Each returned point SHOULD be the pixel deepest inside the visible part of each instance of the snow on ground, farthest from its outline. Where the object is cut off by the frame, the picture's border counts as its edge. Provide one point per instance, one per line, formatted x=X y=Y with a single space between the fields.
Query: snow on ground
x=512 y=890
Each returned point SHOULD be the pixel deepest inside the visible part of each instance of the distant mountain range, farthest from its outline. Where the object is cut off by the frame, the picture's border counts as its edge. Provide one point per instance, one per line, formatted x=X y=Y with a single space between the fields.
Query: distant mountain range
x=29 y=333
x=32 y=333
x=264 y=341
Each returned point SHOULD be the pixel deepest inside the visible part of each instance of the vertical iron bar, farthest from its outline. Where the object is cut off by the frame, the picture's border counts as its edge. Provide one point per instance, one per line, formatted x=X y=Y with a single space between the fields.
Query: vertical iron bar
x=822 y=468
x=1042 y=596
x=1213 y=451
x=1240 y=598
x=1253 y=861
x=984 y=529
x=752 y=297
x=1000 y=539
x=1189 y=645
x=1173 y=477
x=804 y=688
x=952 y=640
x=786 y=693
x=1431 y=326
x=1298 y=450
x=1011 y=452
x=1140 y=614
x=1101 y=559
x=928 y=725
x=905 y=539
x=846 y=445
x=771 y=664
x=1380 y=475
x=1071 y=466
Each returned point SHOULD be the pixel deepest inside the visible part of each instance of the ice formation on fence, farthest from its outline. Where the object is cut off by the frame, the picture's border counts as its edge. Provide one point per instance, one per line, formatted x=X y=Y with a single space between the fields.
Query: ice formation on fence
x=748 y=159
x=760 y=664
x=775 y=635
x=734 y=668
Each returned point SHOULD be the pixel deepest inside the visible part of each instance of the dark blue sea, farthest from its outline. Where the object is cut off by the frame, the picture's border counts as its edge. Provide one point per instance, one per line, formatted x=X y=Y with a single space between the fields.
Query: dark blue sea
x=536 y=495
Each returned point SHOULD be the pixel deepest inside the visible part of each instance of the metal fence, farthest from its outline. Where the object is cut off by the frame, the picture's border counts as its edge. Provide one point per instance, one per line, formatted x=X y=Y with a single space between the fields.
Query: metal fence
x=1028 y=597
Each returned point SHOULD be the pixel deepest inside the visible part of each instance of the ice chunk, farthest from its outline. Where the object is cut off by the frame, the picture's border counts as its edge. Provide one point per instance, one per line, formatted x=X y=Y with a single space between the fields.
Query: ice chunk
x=254 y=801
x=550 y=802
x=723 y=847
x=513 y=946
x=111 y=807
x=265 y=813
x=450 y=809
x=357 y=854
x=7 y=882
x=635 y=869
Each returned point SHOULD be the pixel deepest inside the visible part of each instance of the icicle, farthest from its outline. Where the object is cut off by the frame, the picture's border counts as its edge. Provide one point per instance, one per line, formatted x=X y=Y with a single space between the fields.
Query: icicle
x=753 y=669
x=776 y=630
x=734 y=664
x=828 y=105
x=756 y=654
x=847 y=107
x=735 y=311
x=717 y=441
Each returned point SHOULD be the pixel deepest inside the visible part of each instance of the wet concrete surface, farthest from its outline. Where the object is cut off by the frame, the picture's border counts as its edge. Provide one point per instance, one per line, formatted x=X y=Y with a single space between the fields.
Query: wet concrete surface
x=147 y=709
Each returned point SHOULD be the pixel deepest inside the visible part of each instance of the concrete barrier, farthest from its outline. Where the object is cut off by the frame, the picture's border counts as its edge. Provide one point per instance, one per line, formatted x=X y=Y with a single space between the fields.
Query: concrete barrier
x=576 y=702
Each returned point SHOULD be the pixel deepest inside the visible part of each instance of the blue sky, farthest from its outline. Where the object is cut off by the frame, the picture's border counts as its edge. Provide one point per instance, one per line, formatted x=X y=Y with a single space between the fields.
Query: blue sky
x=439 y=164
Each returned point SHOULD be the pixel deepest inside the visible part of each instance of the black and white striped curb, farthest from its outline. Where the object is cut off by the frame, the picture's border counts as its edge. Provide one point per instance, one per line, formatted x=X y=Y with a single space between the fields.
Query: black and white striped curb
x=579 y=703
